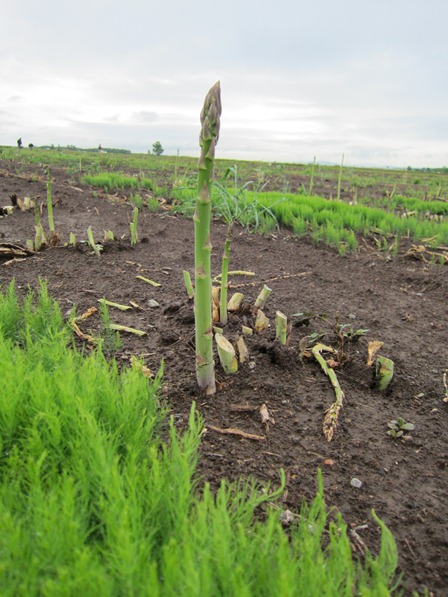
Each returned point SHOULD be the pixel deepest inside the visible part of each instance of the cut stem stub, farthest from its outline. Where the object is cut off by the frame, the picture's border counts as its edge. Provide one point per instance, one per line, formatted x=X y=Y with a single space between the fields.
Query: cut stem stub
x=263 y=297
x=384 y=372
x=226 y=353
x=281 y=327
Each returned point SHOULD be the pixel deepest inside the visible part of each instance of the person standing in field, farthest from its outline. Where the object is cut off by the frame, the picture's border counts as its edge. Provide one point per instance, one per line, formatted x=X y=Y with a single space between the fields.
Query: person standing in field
x=19 y=143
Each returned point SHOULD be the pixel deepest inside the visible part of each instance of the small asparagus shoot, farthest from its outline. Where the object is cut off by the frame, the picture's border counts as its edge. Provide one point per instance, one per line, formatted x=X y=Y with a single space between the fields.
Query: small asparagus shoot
x=225 y=277
x=50 y=204
x=53 y=237
x=133 y=227
x=188 y=284
x=92 y=243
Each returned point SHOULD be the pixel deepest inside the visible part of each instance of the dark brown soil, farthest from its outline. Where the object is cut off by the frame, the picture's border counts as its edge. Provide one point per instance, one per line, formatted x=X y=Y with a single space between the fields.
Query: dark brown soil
x=402 y=302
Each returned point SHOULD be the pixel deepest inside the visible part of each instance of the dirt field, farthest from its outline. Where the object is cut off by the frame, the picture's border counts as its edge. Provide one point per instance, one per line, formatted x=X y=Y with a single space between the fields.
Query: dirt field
x=402 y=302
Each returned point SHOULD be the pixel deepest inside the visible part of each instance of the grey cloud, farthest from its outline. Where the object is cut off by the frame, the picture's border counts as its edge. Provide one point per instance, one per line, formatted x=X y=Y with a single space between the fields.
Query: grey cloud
x=145 y=116
x=113 y=118
x=347 y=78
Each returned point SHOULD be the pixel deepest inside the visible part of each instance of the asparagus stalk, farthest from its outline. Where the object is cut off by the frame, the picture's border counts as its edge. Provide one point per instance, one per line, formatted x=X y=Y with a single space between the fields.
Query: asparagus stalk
x=210 y=121
x=225 y=277
x=133 y=227
x=50 y=204
x=340 y=178
x=215 y=304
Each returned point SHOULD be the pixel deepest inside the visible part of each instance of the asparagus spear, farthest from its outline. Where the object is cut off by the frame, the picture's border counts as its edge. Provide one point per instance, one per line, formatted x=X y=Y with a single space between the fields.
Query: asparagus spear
x=210 y=121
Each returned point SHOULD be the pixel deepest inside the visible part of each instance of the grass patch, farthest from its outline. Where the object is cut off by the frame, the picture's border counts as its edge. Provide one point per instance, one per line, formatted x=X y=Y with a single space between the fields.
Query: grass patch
x=98 y=494
x=328 y=221
x=336 y=221
x=115 y=180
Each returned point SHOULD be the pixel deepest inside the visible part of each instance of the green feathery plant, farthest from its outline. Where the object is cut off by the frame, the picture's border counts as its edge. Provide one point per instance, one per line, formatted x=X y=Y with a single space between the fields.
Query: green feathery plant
x=136 y=200
x=210 y=121
x=110 y=338
x=99 y=495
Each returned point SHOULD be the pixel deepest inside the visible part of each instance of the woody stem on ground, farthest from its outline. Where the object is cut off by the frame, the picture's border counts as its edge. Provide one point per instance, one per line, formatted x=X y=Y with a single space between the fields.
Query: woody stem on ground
x=210 y=121
x=225 y=277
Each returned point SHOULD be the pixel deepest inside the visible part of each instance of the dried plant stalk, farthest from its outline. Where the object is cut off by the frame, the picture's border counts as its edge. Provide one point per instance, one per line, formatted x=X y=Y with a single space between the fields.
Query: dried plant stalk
x=332 y=414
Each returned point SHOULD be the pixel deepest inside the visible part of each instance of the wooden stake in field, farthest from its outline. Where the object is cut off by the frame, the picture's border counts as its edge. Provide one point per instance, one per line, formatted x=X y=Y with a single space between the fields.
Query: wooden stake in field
x=210 y=122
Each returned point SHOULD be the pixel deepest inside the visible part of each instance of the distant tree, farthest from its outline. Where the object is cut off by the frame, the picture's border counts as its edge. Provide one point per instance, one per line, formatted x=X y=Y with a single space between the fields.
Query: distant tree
x=30 y=145
x=157 y=148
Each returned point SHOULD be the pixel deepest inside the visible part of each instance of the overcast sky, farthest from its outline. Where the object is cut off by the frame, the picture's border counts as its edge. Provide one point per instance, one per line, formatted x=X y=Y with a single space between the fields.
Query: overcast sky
x=363 y=78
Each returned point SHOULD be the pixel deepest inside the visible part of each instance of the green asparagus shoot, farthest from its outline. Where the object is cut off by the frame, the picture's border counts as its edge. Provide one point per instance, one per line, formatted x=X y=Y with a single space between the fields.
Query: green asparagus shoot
x=133 y=227
x=210 y=122
x=225 y=277
x=50 y=204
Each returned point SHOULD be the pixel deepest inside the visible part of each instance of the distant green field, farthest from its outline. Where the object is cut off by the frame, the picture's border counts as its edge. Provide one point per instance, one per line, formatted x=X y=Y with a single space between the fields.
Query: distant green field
x=333 y=204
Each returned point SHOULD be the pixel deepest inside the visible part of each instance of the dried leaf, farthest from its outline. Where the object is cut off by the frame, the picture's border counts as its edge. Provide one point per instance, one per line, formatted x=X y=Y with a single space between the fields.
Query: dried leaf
x=87 y=314
x=372 y=349
x=266 y=416
x=81 y=335
x=333 y=363
x=261 y=322
x=138 y=366
x=242 y=349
